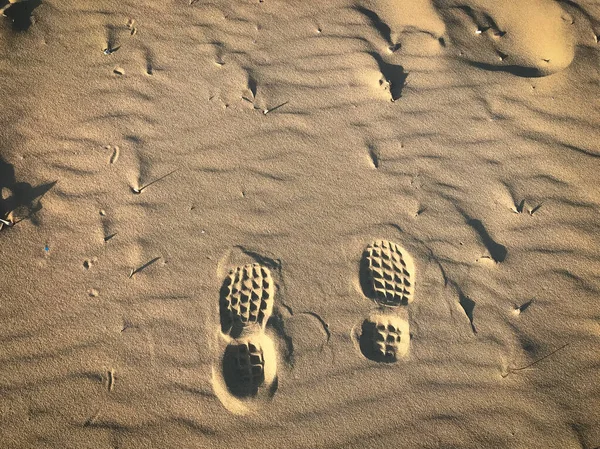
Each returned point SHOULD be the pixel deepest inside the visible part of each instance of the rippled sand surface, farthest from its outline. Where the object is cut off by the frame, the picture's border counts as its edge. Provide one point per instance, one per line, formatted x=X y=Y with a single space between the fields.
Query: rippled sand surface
x=269 y=224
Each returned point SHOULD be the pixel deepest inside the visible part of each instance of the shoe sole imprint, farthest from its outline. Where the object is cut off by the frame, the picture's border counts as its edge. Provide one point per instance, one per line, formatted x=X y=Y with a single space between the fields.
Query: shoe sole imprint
x=244 y=368
x=385 y=338
x=246 y=299
x=387 y=272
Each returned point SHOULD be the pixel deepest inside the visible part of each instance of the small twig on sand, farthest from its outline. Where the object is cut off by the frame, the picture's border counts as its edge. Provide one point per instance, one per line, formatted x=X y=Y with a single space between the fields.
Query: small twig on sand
x=518 y=209
x=514 y=370
x=266 y=111
x=108 y=237
x=111 y=380
x=134 y=190
x=146 y=265
x=535 y=209
x=110 y=50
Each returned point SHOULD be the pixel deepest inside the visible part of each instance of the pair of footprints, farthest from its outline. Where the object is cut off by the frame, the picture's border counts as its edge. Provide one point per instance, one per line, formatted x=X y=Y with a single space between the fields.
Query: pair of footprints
x=246 y=303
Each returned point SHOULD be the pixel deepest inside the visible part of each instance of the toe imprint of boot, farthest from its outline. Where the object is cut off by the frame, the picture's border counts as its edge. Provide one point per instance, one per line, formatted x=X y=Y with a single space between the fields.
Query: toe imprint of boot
x=246 y=297
x=386 y=273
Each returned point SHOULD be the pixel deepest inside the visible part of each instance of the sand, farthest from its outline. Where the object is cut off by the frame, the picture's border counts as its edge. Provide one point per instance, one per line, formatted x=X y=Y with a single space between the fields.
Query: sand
x=213 y=214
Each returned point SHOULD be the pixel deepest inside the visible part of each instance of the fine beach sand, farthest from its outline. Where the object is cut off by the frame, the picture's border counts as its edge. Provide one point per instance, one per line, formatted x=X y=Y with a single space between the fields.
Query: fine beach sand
x=213 y=212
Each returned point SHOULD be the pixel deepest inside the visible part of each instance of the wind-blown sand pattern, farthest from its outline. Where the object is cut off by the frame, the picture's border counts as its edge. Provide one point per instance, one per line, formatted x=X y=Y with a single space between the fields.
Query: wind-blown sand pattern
x=147 y=148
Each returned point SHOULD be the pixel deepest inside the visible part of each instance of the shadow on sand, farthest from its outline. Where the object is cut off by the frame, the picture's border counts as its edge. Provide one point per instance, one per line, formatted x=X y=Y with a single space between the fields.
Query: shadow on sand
x=20 y=13
x=20 y=198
